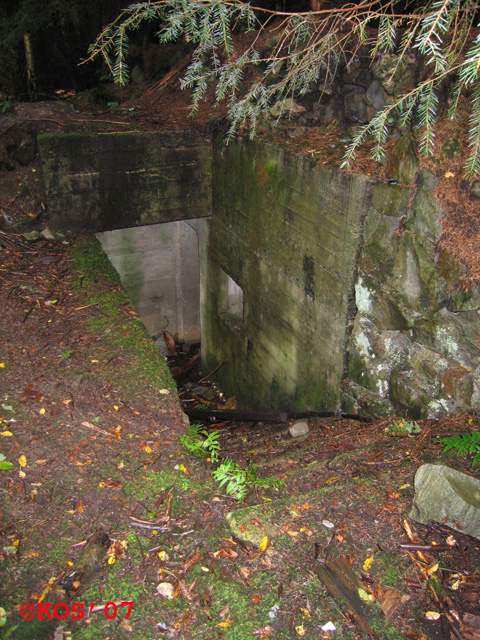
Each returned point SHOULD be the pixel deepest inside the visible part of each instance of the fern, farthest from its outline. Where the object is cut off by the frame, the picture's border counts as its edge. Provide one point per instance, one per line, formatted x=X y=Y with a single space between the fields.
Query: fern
x=201 y=443
x=468 y=444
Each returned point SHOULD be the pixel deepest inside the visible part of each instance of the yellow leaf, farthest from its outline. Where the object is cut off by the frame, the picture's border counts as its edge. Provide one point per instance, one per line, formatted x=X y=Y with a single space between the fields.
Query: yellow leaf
x=330 y=480
x=42 y=411
x=449 y=174
x=6 y=434
x=264 y=544
x=432 y=615
x=148 y=449
x=404 y=486
x=183 y=468
x=305 y=612
x=22 y=461
x=15 y=543
x=115 y=406
x=162 y=555
x=67 y=401
x=433 y=569
x=102 y=485
x=22 y=474
x=368 y=563
x=300 y=629
x=111 y=560
x=225 y=624
x=2 y=365
x=69 y=563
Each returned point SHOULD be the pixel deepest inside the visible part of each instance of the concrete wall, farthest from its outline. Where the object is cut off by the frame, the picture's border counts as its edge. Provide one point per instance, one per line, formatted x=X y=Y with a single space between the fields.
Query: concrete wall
x=159 y=269
x=111 y=181
x=322 y=289
x=287 y=233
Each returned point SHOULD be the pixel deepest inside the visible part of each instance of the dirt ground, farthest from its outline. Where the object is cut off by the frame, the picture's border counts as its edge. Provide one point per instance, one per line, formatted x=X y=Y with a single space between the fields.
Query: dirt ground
x=102 y=504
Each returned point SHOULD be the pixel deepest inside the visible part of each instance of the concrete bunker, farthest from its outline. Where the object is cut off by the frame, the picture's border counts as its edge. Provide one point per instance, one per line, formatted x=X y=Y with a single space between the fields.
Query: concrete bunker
x=302 y=281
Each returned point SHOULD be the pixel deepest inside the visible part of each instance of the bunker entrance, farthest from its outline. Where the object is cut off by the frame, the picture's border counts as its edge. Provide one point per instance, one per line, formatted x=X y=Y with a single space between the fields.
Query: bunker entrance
x=159 y=266
x=159 y=269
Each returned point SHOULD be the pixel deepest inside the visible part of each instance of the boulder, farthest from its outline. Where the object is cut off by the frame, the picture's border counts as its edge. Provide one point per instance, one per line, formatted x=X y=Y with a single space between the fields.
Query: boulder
x=447 y=496
x=299 y=428
x=403 y=163
x=287 y=107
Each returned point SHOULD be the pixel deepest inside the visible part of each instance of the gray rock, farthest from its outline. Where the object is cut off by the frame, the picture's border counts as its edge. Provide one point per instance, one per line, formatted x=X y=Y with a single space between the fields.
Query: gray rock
x=299 y=428
x=475 y=190
x=137 y=75
x=286 y=107
x=448 y=496
x=356 y=105
x=403 y=163
x=375 y=95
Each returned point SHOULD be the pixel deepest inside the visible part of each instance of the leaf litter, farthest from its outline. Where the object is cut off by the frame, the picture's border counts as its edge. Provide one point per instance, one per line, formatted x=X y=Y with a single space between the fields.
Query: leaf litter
x=102 y=458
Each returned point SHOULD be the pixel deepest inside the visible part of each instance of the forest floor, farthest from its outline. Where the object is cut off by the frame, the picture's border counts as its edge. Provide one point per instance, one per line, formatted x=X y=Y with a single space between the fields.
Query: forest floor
x=90 y=423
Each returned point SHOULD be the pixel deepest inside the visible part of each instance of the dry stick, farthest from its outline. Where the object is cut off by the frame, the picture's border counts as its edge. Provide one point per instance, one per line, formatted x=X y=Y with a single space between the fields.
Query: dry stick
x=212 y=372
x=91 y=426
x=188 y=365
x=426 y=547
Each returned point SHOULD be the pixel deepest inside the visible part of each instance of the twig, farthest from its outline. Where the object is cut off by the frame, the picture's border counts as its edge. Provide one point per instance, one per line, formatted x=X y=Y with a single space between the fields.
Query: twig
x=426 y=547
x=92 y=426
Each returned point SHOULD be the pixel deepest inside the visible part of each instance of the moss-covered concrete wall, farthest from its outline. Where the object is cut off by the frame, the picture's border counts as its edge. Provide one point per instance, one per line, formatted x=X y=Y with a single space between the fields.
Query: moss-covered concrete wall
x=110 y=181
x=288 y=234
x=322 y=289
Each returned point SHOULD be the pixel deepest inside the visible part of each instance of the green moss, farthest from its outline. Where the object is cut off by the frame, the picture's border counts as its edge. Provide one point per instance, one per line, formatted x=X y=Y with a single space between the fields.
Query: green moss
x=109 y=318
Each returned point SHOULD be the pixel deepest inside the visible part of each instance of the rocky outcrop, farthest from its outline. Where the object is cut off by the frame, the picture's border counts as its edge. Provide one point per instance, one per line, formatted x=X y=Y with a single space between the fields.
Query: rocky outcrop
x=413 y=348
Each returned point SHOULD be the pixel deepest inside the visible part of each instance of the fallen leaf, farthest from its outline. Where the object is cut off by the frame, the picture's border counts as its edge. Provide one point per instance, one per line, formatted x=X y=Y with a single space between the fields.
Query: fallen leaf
x=183 y=468
x=6 y=434
x=255 y=522
x=223 y=612
x=263 y=632
x=392 y=494
x=225 y=552
x=264 y=544
x=449 y=174
x=432 y=615
x=390 y=601
x=368 y=563
x=166 y=590
x=22 y=461
x=255 y=599
x=300 y=629
x=225 y=623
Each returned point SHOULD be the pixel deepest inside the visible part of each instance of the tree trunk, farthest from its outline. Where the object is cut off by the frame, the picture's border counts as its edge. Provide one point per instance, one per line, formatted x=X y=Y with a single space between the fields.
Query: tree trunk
x=32 y=83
